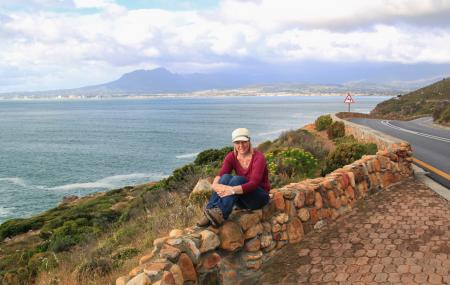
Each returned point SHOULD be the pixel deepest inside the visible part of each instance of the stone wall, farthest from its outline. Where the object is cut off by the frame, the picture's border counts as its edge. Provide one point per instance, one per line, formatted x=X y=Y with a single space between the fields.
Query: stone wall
x=366 y=134
x=233 y=253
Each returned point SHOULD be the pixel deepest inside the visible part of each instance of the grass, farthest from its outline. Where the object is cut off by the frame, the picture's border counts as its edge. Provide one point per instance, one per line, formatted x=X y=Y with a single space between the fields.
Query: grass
x=118 y=250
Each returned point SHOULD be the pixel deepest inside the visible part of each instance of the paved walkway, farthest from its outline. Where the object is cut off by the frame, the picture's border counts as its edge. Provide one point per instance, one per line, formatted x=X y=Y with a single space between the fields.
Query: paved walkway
x=398 y=236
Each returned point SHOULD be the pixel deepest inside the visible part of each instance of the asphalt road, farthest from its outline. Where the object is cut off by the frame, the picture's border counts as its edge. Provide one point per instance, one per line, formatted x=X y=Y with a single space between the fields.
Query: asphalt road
x=430 y=144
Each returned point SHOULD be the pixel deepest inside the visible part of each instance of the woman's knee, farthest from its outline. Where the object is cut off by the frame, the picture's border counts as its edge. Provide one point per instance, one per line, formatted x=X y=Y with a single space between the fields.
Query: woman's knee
x=237 y=180
x=225 y=179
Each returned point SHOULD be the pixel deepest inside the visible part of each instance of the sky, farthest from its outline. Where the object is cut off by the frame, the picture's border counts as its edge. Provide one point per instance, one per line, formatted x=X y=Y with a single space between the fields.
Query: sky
x=57 y=44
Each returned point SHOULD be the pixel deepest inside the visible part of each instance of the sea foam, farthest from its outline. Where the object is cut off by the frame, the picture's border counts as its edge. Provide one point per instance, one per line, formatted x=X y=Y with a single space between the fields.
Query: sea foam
x=4 y=212
x=110 y=182
x=15 y=180
x=187 y=155
x=275 y=132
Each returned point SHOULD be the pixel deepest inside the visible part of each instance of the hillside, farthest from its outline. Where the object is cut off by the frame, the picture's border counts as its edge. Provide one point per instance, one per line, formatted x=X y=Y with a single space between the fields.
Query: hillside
x=430 y=100
x=161 y=81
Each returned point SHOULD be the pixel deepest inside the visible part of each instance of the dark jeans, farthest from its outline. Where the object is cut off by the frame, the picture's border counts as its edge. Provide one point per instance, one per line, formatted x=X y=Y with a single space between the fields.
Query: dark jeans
x=253 y=200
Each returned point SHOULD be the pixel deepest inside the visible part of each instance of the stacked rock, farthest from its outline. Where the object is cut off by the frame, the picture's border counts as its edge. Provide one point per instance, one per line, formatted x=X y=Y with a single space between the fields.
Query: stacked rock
x=231 y=253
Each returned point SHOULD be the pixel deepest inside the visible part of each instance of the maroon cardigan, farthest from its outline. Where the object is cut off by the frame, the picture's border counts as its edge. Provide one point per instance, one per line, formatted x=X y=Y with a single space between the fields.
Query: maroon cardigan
x=256 y=173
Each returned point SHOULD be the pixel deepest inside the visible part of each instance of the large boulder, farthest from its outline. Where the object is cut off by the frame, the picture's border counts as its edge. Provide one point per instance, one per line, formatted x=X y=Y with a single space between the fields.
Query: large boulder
x=231 y=236
x=247 y=219
x=295 y=230
x=209 y=241
x=202 y=191
x=187 y=268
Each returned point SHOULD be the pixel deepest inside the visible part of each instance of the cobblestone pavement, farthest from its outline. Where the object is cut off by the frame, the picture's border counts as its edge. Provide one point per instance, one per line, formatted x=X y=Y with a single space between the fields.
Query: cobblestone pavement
x=398 y=236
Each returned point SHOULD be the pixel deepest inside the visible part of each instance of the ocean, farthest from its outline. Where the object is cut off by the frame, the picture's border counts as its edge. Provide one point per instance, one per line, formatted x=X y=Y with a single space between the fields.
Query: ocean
x=50 y=148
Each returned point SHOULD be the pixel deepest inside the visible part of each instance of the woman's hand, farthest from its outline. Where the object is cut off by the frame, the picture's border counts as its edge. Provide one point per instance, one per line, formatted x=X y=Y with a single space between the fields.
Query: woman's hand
x=217 y=187
x=223 y=190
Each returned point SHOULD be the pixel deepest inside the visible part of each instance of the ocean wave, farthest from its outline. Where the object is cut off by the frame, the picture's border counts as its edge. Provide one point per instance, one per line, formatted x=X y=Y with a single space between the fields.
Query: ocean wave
x=4 y=212
x=15 y=180
x=187 y=155
x=110 y=182
x=275 y=132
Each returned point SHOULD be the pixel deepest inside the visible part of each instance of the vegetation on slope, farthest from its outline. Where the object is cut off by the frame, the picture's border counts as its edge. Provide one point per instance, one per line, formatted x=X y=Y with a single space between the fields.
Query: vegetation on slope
x=441 y=113
x=347 y=150
x=431 y=100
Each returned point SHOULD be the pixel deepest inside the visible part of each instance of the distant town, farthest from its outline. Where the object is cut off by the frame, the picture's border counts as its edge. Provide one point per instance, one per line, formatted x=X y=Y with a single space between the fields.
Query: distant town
x=261 y=90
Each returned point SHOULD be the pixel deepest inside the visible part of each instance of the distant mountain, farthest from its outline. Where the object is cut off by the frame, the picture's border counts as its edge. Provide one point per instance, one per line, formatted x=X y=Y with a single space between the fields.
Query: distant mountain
x=310 y=77
x=161 y=80
x=433 y=100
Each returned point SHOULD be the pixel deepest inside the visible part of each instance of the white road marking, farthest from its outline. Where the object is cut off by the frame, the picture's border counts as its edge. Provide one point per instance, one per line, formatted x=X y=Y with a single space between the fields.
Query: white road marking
x=388 y=124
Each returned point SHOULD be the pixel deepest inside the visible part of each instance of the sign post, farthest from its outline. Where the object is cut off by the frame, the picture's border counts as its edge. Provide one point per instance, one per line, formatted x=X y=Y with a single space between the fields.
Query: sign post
x=349 y=100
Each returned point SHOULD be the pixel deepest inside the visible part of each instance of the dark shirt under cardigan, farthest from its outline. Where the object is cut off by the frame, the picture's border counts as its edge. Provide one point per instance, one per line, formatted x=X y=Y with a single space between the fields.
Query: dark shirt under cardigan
x=256 y=173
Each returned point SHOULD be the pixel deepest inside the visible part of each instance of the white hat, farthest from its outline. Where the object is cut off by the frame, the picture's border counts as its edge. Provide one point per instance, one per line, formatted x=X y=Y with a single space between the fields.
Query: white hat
x=240 y=134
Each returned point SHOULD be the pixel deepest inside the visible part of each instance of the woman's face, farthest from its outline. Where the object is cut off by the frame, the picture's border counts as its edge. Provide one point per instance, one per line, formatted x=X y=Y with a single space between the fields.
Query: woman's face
x=242 y=147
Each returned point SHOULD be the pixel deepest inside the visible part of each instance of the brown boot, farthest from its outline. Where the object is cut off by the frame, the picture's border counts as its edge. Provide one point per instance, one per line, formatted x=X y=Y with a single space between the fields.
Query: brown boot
x=215 y=216
x=204 y=222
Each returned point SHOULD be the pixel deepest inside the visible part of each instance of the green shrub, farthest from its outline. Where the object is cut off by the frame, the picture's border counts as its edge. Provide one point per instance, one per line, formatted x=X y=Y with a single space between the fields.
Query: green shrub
x=298 y=139
x=182 y=179
x=336 y=130
x=297 y=161
x=323 y=122
x=73 y=232
x=291 y=163
x=345 y=154
x=19 y=226
x=47 y=230
x=61 y=243
x=212 y=155
x=371 y=148
x=272 y=162
x=211 y=170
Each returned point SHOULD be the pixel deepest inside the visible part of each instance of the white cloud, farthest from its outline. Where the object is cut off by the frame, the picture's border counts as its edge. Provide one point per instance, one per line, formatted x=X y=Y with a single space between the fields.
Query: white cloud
x=329 y=14
x=92 y=3
x=383 y=43
x=108 y=5
x=114 y=39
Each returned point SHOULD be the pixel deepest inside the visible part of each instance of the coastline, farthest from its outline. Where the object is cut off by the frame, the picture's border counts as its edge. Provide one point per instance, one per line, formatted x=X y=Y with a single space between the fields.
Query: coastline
x=23 y=98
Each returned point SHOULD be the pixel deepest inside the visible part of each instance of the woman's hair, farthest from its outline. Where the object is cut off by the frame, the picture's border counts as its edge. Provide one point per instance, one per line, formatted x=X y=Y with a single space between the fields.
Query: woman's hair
x=250 y=148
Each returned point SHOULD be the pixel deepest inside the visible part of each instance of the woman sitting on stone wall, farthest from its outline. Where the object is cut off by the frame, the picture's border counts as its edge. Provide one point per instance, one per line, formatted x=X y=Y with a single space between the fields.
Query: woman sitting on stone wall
x=249 y=189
